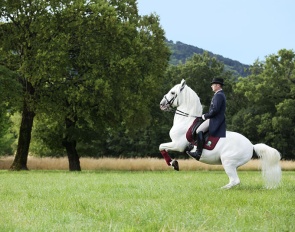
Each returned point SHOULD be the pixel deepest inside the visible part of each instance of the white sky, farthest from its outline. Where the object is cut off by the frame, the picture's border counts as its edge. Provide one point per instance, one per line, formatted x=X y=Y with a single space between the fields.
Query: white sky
x=242 y=30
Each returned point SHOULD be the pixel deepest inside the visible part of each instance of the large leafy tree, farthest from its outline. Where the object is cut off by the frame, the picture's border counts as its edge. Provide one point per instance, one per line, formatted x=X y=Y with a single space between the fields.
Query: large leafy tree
x=267 y=113
x=83 y=64
x=116 y=59
x=25 y=34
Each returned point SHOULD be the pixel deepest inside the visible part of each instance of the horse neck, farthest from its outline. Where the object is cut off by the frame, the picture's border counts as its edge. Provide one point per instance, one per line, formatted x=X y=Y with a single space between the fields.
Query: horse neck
x=190 y=103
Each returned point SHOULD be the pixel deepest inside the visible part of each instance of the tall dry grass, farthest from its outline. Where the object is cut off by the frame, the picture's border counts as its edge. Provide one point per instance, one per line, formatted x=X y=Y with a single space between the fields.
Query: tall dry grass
x=138 y=164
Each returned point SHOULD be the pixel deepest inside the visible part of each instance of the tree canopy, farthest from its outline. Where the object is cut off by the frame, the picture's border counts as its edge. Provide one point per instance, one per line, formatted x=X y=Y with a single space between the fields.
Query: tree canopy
x=267 y=111
x=83 y=62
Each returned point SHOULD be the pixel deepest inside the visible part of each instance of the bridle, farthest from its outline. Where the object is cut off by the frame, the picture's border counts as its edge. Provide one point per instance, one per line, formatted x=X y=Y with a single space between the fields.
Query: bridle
x=179 y=112
x=170 y=102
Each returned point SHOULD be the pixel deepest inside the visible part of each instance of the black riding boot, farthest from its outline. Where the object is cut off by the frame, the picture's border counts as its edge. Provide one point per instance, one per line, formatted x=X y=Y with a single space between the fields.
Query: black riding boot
x=200 y=141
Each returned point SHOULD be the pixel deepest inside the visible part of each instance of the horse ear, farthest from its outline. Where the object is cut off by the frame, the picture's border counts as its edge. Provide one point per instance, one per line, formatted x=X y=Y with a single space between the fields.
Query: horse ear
x=182 y=84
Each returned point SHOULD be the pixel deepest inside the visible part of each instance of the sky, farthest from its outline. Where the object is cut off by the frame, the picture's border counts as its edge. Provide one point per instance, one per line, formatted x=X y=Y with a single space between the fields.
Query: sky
x=242 y=30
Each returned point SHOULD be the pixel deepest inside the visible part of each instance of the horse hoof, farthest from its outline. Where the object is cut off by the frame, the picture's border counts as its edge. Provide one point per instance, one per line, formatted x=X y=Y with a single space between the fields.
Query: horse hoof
x=174 y=164
x=228 y=186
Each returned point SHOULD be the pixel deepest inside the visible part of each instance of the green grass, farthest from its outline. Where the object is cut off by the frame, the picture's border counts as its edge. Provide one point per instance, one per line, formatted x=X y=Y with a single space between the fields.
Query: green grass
x=143 y=201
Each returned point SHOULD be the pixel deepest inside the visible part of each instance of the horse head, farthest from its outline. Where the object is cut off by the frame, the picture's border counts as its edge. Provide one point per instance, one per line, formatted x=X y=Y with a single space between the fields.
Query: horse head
x=169 y=100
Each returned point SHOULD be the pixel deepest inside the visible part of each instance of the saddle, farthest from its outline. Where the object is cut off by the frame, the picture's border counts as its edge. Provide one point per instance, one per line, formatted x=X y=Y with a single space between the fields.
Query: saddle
x=210 y=141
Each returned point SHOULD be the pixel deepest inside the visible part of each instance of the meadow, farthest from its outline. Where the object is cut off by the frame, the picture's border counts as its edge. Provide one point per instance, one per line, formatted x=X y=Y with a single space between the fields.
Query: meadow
x=143 y=200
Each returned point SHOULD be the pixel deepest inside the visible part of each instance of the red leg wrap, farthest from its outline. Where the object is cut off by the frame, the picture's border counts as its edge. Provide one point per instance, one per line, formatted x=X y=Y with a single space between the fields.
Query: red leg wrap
x=166 y=157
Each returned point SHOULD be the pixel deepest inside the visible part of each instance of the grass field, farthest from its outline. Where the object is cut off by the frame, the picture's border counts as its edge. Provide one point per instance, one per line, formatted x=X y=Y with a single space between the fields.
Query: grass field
x=143 y=201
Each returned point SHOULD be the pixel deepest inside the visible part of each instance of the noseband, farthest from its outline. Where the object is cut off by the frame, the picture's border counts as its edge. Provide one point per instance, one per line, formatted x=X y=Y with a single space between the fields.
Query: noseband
x=179 y=112
x=170 y=102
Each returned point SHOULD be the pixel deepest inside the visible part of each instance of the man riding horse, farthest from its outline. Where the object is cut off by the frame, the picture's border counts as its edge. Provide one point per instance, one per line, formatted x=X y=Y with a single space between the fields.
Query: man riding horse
x=231 y=151
x=214 y=120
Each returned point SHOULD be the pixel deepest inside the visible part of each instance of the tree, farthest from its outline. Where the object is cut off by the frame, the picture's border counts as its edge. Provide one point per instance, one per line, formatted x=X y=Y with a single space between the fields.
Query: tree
x=267 y=115
x=121 y=73
x=93 y=50
x=25 y=35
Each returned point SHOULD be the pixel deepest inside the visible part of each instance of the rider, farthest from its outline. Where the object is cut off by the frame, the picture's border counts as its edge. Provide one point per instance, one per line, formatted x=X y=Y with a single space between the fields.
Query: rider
x=214 y=120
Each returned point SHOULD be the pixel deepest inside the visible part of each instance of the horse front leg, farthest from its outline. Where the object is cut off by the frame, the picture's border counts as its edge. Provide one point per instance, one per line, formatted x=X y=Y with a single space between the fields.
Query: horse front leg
x=164 y=148
x=174 y=146
x=167 y=157
x=169 y=161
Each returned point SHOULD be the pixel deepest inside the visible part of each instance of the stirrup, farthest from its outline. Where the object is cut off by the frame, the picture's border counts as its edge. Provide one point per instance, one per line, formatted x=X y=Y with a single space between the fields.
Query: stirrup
x=189 y=147
x=194 y=155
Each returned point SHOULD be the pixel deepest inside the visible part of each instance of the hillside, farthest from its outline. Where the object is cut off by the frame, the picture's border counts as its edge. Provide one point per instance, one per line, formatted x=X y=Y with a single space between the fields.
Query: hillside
x=181 y=52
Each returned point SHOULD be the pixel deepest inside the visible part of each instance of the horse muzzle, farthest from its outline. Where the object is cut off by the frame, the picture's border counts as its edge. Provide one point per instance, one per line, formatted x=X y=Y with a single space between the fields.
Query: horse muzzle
x=164 y=105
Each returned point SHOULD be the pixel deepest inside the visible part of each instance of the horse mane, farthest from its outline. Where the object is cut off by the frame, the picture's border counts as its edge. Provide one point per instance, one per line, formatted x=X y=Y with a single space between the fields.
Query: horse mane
x=191 y=102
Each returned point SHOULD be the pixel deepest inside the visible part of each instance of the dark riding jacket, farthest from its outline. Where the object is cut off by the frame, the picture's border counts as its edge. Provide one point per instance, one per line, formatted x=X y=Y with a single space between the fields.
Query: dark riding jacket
x=216 y=114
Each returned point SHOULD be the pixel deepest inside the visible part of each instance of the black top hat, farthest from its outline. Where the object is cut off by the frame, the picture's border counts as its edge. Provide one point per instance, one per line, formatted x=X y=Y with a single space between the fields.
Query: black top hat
x=217 y=81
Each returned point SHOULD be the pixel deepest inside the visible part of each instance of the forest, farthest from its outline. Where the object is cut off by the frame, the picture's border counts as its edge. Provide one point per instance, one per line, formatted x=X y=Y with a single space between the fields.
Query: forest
x=85 y=79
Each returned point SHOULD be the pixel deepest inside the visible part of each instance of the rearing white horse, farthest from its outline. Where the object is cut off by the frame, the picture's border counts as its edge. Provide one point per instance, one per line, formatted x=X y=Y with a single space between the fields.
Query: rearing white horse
x=232 y=151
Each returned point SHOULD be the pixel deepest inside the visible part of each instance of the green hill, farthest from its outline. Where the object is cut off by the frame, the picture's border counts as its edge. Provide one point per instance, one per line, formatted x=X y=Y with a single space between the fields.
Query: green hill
x=181 y=52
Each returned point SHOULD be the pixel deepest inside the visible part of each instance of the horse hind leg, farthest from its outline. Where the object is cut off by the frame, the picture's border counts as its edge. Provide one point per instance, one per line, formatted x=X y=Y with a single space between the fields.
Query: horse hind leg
x=232 y=174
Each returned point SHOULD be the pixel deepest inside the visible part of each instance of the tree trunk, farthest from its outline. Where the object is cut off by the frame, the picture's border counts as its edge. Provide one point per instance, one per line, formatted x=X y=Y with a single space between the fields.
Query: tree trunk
x=24 y=140
x=70 y=146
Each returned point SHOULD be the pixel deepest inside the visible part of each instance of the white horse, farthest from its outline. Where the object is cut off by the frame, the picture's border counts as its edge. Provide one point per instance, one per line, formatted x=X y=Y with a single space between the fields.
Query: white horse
x=232 y=151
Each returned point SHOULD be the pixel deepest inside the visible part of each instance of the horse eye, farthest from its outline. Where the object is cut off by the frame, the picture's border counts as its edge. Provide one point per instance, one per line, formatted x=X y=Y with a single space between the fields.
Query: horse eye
x=172 y=93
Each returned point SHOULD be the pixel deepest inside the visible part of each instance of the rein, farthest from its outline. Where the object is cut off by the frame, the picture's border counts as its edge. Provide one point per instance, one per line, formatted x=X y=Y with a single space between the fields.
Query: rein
x=181 y=113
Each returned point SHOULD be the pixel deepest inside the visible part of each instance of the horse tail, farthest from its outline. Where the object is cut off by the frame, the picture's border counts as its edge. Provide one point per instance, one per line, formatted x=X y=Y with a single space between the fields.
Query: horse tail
x=270 y=164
